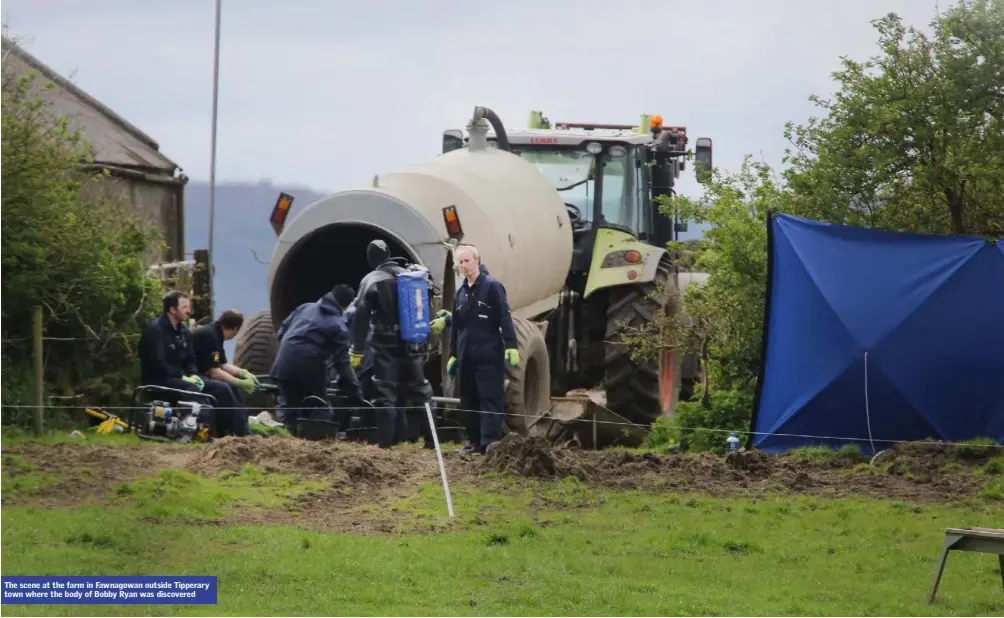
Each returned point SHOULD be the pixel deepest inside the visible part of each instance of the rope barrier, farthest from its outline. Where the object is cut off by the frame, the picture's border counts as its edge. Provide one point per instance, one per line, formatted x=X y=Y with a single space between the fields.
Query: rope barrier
x=369 y=409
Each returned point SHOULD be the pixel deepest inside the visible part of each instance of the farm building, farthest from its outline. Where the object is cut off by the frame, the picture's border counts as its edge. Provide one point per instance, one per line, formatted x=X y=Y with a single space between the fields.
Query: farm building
x=140 y=174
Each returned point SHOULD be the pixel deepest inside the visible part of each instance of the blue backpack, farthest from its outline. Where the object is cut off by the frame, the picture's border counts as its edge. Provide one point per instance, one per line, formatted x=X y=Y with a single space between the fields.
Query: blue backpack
x=414 y=308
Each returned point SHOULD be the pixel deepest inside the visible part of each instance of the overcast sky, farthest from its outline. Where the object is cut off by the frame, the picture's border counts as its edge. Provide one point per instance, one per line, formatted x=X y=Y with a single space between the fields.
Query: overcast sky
x=326 y=93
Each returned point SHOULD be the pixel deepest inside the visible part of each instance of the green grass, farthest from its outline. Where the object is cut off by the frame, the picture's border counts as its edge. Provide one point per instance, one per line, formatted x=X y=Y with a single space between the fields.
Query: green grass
x=517 y=548
x=175 y=495
x=15 y=436
x=825 y=453
x=22 y=478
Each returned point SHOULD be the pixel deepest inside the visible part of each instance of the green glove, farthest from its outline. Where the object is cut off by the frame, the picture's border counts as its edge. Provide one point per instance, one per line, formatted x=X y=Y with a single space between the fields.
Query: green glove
x=451 y=367
x=196 y=380
x=512 y=357
x=246 y=384
x=437 y=325
x=245 y=374
x=443 y=313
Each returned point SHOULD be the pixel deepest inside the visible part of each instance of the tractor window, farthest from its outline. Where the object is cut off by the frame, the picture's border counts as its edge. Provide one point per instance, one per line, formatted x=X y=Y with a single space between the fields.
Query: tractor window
x=572 y=173
x=644 y=226
x=620 y=188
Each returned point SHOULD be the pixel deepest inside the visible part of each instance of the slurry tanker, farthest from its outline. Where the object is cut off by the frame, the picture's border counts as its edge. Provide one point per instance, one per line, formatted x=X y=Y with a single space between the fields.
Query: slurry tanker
x=565 y=217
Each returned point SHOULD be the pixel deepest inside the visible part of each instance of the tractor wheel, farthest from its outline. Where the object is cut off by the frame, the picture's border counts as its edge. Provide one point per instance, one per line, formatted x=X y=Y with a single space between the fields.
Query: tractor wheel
x=529 y=392
x=255 y=351
x=633 y=386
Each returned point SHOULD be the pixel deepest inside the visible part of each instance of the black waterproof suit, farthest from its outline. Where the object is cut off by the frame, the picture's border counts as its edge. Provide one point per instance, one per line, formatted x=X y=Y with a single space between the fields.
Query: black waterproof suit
x=398 y=369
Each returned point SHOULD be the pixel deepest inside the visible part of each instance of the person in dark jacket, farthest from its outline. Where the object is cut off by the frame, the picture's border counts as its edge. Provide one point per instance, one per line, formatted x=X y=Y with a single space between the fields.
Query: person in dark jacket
x=398 y=368
x=365 y=369
x=211 y=363
x=315 y=332
x=167 y=353
x=482 y=339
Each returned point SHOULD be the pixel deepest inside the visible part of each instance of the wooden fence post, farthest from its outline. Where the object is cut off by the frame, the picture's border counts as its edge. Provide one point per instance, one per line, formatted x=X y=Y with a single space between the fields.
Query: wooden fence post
x=39 y=368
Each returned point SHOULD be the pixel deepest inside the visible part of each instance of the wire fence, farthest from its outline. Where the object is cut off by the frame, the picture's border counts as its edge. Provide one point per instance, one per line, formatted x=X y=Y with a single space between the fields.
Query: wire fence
x=122 y=410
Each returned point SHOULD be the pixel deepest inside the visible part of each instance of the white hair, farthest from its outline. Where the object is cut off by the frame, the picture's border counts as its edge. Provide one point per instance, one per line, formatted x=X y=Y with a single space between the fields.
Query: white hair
x=473 y=250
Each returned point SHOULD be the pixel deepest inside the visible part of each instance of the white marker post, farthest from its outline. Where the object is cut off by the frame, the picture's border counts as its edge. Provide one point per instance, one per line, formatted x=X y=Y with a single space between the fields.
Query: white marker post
x=439 y=455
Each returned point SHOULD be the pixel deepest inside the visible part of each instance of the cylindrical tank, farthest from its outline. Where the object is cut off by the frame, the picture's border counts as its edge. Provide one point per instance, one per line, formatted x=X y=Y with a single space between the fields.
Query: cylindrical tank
x=507 y=209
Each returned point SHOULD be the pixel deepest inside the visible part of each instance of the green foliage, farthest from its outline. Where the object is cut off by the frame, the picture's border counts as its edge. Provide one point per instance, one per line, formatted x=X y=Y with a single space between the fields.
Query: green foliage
x=727 y=311
x=824 y=453
x=70 y=249
x=914 y=138
x=704 y=426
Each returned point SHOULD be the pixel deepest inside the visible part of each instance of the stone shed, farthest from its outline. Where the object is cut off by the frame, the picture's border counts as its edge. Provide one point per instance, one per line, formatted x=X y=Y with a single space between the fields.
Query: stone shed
x=140 y=174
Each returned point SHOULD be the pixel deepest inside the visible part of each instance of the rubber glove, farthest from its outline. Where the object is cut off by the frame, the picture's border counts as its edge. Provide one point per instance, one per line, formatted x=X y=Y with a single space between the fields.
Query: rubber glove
x=246 y=384
x=245 y=374
x=512 y=357
x=451 y=367
x=443 y=313
x=436 y=326
x=355 y=359
x=196 y=380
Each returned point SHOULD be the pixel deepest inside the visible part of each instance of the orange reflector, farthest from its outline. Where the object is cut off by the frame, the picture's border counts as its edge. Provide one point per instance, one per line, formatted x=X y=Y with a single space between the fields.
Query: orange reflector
x=452 y=221
x=632 y=274
x=280 y=212
x=632 y=256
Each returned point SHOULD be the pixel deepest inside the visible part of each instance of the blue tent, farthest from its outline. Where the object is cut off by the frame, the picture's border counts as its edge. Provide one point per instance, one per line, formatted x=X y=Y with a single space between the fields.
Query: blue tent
x=872 y=337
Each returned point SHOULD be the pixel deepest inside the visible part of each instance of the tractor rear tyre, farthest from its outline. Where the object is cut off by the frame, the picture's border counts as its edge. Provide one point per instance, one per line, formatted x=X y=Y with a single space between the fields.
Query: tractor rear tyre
x=255 y=351
x=529 y=392
x=633 y=386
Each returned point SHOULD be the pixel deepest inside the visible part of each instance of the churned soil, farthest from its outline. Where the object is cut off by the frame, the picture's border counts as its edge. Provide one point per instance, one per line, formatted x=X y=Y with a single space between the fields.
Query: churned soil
x=358 y=476
x=920 y=473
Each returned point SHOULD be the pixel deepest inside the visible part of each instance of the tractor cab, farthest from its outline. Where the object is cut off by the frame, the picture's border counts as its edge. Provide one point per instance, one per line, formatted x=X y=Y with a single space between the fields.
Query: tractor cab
x=609 y=176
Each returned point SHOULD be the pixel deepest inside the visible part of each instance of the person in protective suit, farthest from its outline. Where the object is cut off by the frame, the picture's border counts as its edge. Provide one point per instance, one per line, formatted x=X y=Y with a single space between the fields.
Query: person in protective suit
x=482 y=338
x=398 y=369
x=364 y=373
x=310 y=336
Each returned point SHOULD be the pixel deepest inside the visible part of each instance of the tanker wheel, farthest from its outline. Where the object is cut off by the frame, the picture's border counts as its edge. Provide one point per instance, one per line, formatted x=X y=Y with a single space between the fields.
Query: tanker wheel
x=637 y=389
x=255 y=351
x=529 y=392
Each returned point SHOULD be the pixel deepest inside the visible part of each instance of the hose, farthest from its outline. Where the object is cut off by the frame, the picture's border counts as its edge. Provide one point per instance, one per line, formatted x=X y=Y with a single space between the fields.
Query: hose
x=496 y=122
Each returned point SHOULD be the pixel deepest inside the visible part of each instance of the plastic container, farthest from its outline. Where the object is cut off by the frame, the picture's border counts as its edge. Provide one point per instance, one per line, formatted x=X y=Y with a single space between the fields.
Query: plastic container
x=732 y=444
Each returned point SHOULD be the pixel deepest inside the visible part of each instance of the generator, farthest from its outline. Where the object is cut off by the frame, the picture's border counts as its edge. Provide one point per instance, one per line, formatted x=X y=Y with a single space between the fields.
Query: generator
x=182 y=421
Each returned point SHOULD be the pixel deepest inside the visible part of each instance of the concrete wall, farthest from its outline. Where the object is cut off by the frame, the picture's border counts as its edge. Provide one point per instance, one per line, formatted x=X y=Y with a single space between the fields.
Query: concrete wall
x=160 y=203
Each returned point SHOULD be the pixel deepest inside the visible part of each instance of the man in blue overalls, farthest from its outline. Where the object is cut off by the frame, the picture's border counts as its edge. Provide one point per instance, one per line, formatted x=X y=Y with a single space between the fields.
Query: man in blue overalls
x=482 y=338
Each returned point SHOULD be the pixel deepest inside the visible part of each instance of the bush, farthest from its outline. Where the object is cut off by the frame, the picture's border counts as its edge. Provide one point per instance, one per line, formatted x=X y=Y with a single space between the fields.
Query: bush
x=68 y=248
x=697 y=428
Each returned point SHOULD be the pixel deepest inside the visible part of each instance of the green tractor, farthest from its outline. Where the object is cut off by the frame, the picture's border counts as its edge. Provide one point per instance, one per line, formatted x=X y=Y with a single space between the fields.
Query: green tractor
x=621 y=275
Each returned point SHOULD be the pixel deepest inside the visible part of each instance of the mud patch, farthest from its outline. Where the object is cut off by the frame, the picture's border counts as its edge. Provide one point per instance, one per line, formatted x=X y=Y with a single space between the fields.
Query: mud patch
x=83 y=472
x=341 y=463
x=917 y=472
x=529 y=457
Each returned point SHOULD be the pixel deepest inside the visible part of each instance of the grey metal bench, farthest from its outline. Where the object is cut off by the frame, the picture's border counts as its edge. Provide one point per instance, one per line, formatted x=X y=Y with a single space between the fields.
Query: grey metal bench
x=984 y=540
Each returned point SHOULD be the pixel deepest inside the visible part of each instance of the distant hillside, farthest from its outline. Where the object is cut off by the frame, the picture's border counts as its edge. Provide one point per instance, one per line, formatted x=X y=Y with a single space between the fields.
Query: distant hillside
x=242 y=211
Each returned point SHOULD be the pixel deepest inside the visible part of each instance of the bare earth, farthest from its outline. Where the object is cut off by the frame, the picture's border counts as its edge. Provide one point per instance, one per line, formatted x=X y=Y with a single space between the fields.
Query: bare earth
x=364 y=475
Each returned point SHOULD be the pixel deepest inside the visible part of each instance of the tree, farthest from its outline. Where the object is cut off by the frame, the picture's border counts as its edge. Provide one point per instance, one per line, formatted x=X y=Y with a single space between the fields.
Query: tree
x=79 y=255
x=726 y=313
x=914 y=138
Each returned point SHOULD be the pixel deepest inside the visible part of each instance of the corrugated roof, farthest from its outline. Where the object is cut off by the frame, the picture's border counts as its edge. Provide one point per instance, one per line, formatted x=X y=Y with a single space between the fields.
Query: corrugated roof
x=115 y=140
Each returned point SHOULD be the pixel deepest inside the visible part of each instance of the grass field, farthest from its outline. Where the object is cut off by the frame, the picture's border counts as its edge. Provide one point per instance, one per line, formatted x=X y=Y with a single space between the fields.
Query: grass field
x=289 y=533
